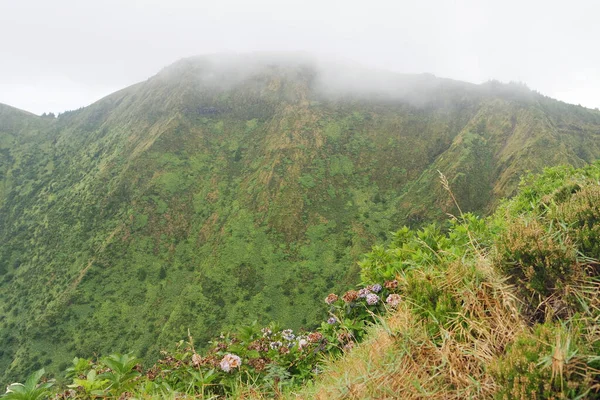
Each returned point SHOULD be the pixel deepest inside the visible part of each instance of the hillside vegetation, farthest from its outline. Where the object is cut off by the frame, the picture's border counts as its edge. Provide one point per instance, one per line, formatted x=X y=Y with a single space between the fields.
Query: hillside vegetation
x=223 y=191
x=506 y=307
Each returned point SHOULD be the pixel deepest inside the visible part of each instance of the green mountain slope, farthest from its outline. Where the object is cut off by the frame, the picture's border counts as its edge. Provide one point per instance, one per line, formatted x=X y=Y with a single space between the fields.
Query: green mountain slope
x=228 y=189
x=501 y=142
x=17 y=129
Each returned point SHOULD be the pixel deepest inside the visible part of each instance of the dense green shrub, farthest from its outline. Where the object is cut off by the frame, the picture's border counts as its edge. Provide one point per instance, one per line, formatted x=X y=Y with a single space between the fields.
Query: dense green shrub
x=424 y=248
x=554 y=361
x=548 y=242
x=580 y=212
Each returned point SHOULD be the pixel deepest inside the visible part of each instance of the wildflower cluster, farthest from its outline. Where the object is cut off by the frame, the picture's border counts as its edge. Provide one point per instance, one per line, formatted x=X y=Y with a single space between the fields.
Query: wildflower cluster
x=272 y=357
x=229 y=362
x=351 y=312
x=372 y=295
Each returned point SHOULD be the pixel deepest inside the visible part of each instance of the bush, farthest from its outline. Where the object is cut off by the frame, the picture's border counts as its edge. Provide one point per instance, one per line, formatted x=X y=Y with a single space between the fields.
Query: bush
x=549 y=240
x=552 y=362
x=581 y=214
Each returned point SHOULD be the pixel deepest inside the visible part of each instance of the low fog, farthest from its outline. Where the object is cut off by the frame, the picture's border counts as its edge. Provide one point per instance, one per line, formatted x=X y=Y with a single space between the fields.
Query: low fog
x=327 y=78
x=65 y=54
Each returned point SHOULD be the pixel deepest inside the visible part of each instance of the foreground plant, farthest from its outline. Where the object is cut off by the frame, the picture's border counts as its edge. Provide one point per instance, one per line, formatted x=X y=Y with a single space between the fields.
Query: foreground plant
x=32 y=389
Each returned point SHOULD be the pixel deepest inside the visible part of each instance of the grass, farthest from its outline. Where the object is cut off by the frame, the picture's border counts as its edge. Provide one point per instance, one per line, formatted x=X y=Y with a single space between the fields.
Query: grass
x=403 y=355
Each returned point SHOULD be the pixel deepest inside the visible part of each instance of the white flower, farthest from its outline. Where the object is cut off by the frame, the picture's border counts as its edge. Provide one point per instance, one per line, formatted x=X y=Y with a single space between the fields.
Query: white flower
x=230 y=361
x=275 y=345
x=288 y=335
x=266 y=332
x=302 y=343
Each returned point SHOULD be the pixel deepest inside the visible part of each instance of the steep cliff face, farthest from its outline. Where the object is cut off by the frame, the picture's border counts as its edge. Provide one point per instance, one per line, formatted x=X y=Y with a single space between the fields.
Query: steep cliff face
x=224 y=190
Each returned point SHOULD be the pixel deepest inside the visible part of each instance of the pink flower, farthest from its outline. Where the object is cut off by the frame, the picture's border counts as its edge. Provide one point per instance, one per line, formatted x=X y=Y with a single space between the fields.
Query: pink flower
x=331 y=298
x=393 y=300
x=230 y=361
x=302 y=343
x=372 y=299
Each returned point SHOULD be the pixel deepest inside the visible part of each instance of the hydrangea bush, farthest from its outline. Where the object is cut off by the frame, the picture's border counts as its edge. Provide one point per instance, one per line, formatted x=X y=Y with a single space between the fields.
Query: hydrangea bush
x=270 y=357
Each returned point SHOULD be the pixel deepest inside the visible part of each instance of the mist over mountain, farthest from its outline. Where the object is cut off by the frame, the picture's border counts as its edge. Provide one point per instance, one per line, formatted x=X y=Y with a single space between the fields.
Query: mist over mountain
x=233 y=188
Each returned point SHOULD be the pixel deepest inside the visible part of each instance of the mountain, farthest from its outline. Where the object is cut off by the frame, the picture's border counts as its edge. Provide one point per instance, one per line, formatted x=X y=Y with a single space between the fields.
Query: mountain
x=227 y=189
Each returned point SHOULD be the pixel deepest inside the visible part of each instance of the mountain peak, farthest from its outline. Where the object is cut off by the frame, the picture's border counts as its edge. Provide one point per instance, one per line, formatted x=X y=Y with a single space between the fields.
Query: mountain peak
x=328 y=77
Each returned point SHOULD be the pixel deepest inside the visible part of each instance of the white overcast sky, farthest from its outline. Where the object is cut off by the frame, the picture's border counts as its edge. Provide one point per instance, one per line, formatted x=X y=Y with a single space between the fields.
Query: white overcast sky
x=64 y=54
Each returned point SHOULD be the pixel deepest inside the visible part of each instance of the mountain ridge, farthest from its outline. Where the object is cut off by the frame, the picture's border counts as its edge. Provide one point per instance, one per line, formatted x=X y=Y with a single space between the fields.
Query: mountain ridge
x=343 y=69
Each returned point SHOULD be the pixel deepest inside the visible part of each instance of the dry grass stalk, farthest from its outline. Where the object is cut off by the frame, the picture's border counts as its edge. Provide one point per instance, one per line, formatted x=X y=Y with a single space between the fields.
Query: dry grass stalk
x=403 y=360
